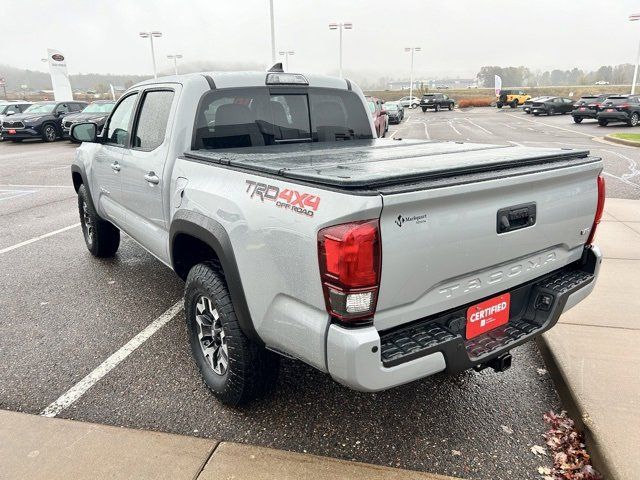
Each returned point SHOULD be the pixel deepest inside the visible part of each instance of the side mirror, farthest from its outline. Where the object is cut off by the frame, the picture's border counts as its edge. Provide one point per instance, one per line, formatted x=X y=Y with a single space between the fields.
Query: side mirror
x=85 y=132
x=11 y=112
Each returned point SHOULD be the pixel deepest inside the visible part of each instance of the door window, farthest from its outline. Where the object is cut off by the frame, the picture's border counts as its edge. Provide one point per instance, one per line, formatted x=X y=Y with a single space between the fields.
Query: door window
x=62 y=108
x=118 y=128
x=153 y=119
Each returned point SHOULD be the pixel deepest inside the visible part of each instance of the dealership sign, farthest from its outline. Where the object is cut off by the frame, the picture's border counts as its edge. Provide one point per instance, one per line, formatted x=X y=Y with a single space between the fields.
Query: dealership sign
x=59 y=76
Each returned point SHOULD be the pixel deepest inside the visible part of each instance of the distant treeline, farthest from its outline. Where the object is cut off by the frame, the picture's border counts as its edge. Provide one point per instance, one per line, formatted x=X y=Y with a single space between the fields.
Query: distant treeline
x=524 y=77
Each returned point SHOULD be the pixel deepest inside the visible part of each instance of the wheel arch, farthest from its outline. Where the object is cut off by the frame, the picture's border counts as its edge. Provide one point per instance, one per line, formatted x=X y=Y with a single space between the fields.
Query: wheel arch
x=194 y=238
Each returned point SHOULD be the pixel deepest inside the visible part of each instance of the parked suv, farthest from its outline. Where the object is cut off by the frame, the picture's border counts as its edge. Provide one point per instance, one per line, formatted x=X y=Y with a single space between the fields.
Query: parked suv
x=298 y=233
x=96 y=112
x=513 y=98
x=587 y=106
x=620 y=108
x=9 y=108
x=41 y=120
x=410 y=102
x=437 y=101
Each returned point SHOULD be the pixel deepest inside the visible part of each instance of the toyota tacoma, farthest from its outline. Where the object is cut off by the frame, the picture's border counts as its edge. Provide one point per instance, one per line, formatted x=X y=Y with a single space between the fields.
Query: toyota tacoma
x=299 y=234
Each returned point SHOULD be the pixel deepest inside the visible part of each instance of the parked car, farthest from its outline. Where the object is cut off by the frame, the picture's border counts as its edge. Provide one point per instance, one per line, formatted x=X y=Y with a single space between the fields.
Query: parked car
x=409 y=102
x=620 y=108
x=41 y=120
x=603 y=82
x=9 y=108
x=587 y=106
x=96 y=112
x=395 y=114
x=552 y=106
x=299 y=234
x=526 y=106
x=379 y=114
x=437 y=101
x=513 y=98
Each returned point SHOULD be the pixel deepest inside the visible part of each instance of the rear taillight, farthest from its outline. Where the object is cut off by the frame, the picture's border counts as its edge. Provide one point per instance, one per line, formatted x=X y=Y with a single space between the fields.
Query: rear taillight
x=599 y=209
x=350 y=261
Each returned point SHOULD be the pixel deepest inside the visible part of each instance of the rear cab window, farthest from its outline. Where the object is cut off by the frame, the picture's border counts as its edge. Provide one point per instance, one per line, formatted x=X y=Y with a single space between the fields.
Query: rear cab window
x=259 y=116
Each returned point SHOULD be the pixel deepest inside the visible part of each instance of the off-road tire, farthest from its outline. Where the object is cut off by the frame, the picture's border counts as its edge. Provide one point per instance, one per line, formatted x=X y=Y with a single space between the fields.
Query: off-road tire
x=252 y=370
x=49 y=133
x=577 y=119
x=603 y=123
x=514 y=104
x=499 y=105
x=101 y=237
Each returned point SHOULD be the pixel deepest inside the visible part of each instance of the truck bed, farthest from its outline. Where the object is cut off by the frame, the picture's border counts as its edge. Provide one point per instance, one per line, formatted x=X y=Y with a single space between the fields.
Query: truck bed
x=389 y=164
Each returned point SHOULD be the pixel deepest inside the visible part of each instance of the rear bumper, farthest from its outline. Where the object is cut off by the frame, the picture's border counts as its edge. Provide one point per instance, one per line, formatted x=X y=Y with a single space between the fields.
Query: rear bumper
x=614 y=116
x=368 y=360
x=584 y=113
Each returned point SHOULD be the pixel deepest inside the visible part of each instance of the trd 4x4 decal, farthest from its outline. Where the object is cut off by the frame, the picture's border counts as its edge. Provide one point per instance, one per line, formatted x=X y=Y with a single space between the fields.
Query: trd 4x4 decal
x=287 y=198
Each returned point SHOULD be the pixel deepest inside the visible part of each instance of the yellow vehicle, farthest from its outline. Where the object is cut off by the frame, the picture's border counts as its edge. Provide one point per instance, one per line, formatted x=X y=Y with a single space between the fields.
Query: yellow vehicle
x=513 y=98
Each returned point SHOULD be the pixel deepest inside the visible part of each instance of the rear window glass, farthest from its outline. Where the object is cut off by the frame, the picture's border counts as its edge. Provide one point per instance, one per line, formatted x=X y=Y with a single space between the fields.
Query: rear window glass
x=249 y=117
x=618 y=100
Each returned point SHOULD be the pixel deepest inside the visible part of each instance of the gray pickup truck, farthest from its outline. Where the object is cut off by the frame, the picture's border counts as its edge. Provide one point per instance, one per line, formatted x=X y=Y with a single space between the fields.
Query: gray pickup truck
x=298 y=234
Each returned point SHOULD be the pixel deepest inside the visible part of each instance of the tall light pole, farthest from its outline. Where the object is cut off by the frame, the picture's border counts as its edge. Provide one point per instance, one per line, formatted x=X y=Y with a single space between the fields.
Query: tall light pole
x=273 y=33
x=150 y=36
x=286 y=54
x=412 y=50
x=634 y=18
x=340 y=26
x=175 y=57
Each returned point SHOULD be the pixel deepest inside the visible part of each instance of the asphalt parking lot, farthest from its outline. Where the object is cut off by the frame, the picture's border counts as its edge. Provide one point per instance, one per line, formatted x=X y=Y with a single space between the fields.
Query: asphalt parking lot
x=63 y=313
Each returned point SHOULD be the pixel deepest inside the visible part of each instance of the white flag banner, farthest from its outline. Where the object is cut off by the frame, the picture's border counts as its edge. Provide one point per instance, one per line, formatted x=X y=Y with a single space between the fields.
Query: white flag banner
x=59 y=76
x=498 y=84
x=113 y=92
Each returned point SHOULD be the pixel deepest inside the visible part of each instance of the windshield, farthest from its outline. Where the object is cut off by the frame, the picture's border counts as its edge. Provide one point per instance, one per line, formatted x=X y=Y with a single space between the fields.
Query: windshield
x=259 y=116
x=41 y=108
x=390 y=106
x=99 y=108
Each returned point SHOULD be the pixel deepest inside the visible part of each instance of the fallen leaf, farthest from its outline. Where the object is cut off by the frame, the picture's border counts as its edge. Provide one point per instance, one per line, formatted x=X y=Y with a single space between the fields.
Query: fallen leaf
x=456 y=453
x=541 y=371
x=506 y=429
x=544 y=470
x=538 y=450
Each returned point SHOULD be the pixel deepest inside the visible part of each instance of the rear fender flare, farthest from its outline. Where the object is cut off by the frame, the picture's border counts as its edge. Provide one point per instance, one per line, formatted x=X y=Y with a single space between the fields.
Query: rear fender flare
x=216 y=237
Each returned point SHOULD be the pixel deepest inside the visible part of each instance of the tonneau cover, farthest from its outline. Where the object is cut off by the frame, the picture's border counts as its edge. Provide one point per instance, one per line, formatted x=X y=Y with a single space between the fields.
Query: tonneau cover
x=376 y=163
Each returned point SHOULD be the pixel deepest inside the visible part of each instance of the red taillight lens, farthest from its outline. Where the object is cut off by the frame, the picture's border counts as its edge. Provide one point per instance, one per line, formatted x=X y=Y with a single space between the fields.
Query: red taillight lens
x=599 y=209
x=350 y=258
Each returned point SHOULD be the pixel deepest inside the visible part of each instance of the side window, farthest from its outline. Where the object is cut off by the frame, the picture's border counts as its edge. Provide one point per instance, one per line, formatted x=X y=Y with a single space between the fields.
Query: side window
x=445 y=97
x=153 y=119
x=118 y=129
x=77 y=107
x=62 y=108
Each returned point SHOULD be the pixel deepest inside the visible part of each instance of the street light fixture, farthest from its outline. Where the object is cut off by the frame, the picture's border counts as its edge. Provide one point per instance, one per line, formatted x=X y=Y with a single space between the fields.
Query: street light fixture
x=286 y=55
x=634 y=18
x=340 y=26
x=412 y=50
x=150 y=36
x=175 y=57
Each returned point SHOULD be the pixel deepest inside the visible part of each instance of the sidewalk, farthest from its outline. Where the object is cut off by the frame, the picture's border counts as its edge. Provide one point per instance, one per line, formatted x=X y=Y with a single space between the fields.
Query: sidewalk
x=34 y=447
x=595 y=347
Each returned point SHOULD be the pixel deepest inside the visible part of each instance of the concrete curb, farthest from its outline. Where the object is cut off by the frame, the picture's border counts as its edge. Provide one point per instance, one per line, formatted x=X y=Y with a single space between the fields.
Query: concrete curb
x=574 y=409
x=37 y=447
x=622 y=141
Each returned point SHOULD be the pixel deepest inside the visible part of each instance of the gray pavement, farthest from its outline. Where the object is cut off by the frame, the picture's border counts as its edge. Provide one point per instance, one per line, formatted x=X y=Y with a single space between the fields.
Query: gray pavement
x=64 y=313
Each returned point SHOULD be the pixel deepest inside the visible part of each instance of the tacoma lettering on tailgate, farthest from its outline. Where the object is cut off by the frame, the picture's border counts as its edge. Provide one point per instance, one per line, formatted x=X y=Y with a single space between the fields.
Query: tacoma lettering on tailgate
x=498 y=275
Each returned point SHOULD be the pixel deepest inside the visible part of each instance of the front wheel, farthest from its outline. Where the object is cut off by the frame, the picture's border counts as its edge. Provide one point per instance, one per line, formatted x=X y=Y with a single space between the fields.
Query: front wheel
x=101 y=237
x=235 y=369
x=424 y=109
x=577 y=119
x=514 y=104
x=49 y=133
x=633 y=121
x=450 y=106
x=602 y=122
x=499 y=105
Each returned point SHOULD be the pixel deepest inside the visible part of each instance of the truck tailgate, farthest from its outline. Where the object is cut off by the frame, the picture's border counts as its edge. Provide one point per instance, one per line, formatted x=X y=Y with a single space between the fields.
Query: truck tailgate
x=444 y=247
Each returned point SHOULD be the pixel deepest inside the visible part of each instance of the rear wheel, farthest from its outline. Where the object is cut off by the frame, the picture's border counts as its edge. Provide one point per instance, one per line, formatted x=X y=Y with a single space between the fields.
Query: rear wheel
x=577 y=119
x=514 y=104
x=499 y=104
x=633 y=121
x=602 y=122
x=235 y=369
x=101 y=237
x=450 y=106
x=552 y=111
x=49 y=133
x=437 y=107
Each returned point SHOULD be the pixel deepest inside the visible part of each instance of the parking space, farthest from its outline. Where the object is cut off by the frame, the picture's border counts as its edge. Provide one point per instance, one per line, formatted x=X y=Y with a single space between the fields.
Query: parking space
x=65 y=313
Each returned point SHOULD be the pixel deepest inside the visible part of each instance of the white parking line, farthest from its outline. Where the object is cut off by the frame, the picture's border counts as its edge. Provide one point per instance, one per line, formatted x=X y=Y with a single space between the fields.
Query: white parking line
x=454 y=128
x=79 y=389
x=35 y=239
x=552 y=126
x=478 y=126
x=426 y=131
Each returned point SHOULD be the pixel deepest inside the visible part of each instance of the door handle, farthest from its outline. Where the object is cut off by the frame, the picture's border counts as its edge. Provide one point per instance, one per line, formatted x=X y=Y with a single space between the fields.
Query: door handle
x=151 y=177
x=115 y=166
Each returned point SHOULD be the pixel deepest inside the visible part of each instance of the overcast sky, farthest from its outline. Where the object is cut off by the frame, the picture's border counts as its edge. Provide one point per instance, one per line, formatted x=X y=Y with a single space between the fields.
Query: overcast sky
x=457 y=36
